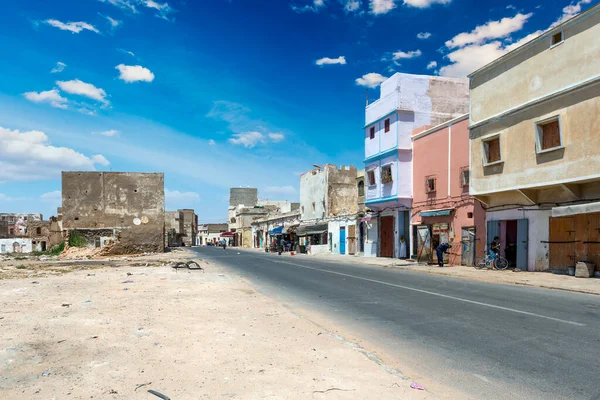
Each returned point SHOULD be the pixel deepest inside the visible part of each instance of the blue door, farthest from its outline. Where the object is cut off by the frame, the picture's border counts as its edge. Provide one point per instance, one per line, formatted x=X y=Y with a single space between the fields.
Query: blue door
x=343 y=240
x=522 y=243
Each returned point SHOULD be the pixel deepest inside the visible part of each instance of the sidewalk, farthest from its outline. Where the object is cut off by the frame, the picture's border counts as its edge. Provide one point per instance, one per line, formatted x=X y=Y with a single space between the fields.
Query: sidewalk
x=536 y=279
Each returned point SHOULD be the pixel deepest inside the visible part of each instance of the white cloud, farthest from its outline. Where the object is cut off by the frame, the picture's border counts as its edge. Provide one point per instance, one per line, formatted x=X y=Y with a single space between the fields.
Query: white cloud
x=570 y=11
x=370 y=80
x=511 y=7
x=211 y=142
x=60 y=67
x=134 y=73
x=100 y=159
x=468 y=59
x=113 y=22
x=477 y=48
x=424 y=35
x=51 y=196
x=127 y=52
x=276 y=137
x=78 y=87
x=330 y=61
x=30 y=156
x=432 y=65
x=382 y=6
x=283 y=190
x=163 y=9
x=315 y=6
x=125 y=4
x=425 y=3
x=351 y=5
x=177 y=197
x=74 y=27
x=51 y=97
x=109 y=133
x=490 y=30
x=401 y=55
x=4 y=198
x=247 y=139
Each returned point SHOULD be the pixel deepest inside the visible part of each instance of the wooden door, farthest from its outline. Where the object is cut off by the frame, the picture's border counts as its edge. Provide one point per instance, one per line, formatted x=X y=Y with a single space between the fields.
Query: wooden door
x=351 y=239
x=562 y=242
x=593 y=240
x=386 y=237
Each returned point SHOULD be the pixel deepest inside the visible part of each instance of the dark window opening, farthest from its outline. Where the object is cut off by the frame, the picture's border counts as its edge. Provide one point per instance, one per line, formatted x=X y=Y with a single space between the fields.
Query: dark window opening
x=430 y=185
x=557 y=38
x=492 y=150
x=361 y=188
x=372 y=133
x=38 y=231
x=387 y=125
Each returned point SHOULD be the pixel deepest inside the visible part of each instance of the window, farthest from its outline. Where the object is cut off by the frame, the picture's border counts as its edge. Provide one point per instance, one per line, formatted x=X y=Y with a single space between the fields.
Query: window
x=464 y=176
x=372 y=133
x=361 y=188
x=557 y=38
x=430 y=184
x=386 y=174
x=548 y=135
x=38 y=231
x=387 y=125
x=492 y=150
x=371 y=177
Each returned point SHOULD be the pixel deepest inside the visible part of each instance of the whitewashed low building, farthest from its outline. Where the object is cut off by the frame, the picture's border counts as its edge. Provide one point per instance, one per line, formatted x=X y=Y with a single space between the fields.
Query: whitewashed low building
x=16 y=245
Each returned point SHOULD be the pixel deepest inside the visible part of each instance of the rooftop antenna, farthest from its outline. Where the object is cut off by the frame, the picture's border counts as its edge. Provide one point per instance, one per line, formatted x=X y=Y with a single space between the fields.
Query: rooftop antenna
x=367 y=96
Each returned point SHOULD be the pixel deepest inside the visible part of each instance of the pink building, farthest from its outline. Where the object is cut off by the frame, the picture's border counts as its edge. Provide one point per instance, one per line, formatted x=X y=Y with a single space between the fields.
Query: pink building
x=443 y=210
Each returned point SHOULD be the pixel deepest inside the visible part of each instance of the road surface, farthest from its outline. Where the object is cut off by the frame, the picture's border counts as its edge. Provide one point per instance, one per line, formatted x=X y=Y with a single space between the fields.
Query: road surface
x=488 y=341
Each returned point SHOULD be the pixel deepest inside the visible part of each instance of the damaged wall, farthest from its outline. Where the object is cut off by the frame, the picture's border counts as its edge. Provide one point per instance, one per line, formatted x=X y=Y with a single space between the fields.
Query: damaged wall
x=131 y=203
x=342 y=195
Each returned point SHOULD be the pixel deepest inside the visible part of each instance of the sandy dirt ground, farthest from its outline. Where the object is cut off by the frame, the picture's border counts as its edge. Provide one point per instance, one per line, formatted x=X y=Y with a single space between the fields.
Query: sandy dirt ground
x=117 y=330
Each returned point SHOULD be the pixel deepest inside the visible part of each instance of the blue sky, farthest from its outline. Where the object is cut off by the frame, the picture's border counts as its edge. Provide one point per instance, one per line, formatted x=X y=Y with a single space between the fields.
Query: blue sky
x=221 y=93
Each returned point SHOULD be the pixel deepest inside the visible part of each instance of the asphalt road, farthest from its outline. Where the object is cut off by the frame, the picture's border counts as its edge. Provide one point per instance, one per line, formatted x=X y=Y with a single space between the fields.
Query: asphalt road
x=488 y=341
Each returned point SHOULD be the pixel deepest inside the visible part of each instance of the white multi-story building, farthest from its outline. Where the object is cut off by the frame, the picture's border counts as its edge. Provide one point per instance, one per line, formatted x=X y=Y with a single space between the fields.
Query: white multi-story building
x=407 y=105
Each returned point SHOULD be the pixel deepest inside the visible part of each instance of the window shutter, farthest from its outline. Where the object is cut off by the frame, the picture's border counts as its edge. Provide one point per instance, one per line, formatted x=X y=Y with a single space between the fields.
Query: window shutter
x=551 y=135
x=387 y=125
x=493 y=150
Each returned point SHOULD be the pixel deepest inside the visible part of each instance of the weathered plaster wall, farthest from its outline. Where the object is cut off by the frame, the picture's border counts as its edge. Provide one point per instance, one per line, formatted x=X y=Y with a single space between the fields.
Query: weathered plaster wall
x=522 y=166
x=243 y=196
x=539 y=70
x=342 y=194
x=313 y=194
x=117 y=200
x=16 y=245
x=189 y=226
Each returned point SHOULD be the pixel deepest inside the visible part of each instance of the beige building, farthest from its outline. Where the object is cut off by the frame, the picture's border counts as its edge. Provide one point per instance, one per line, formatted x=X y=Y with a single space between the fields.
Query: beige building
x=535 y=159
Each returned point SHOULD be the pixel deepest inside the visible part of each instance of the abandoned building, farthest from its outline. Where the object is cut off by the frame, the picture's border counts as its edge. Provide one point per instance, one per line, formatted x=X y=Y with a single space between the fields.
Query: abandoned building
x=15 y=224
x=189 y=226
x=173 y=229
x=124 y=210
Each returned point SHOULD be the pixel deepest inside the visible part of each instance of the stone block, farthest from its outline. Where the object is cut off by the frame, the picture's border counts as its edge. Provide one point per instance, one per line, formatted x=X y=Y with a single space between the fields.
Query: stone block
x=584 y=270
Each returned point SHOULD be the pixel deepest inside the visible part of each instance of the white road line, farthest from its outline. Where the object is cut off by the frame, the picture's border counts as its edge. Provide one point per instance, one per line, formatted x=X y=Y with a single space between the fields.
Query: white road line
x=438 y=294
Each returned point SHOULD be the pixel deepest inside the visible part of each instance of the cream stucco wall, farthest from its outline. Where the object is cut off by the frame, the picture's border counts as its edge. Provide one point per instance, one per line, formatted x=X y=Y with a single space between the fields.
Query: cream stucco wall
x=523 y=168
x=539 y=70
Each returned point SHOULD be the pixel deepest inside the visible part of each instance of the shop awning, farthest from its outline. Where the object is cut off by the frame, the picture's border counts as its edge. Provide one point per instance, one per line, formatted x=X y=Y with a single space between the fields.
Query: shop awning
x=276 y=231
x=437 y=213
x=290 y=229
x=227 y=234
x=307 y=230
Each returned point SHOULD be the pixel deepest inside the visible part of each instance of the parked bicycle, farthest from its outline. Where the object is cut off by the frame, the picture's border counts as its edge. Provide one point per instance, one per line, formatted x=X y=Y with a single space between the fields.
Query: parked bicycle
x=500 y=262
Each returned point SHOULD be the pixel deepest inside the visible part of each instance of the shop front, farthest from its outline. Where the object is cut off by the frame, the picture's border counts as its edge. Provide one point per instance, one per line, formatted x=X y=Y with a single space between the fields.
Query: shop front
x=436 y=227
x=313 y=239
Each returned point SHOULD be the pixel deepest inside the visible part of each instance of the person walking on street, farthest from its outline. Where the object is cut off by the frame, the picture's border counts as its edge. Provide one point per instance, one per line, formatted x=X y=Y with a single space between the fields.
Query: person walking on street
x=440 y=250
x=224 y=243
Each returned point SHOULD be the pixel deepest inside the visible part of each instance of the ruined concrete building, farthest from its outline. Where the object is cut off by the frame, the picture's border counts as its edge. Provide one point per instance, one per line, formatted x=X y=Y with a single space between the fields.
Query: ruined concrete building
x=15 y=224
x=124 y=210
x=173 y=229
x=189 y=226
